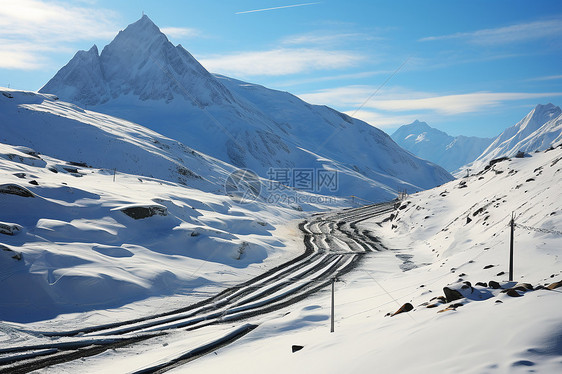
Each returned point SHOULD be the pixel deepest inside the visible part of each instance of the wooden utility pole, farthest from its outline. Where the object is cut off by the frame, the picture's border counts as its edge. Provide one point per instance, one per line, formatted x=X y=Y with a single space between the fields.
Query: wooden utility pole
x=333 y=286
x=512 y=227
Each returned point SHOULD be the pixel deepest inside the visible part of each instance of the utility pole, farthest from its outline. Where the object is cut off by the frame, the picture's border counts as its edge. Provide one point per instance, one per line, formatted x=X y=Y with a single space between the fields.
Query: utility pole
x=333 y=286
x=512 y=226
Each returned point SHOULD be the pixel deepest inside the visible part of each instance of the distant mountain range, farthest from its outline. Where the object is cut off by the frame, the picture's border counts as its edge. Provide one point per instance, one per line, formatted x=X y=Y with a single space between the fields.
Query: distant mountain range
x=439 y=147
x=142 y=77
x=539 y=130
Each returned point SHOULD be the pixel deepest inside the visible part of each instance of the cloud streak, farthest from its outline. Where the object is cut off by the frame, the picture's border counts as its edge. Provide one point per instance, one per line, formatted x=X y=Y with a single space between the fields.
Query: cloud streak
x=408 y=101
x=517 y=33
x=396 y=106
x=276 y=8
x=546 y=78
x=278 y=62
x=457 y=104
x=326 y=38
x=180 y=32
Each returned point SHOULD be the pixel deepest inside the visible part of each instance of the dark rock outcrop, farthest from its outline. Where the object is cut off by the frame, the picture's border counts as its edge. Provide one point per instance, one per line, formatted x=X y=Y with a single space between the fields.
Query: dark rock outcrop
x=145 y=211
x=14 y=189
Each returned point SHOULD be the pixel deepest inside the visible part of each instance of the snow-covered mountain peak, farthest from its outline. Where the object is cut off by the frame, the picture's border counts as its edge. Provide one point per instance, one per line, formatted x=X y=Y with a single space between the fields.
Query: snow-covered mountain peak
x=437 y=146
x=93 y=51
x=140 y=62
x=142 y=77
x=539 y=116
x=417 y=127
x=538 y=130
x=142 y=37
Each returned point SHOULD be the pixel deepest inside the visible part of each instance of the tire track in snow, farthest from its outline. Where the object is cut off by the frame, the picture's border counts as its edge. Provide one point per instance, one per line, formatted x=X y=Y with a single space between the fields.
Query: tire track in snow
x=333 y=246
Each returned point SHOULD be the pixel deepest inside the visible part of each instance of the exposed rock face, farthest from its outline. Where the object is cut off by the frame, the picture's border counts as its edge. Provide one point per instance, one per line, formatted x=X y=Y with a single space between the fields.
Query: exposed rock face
x=14 y=189
x=554 y=285
x=144 y=211
x=493 y=284
x=15 y=255
x=403 y=309
x=9 y=228
x=296 y=348
x=452 y=294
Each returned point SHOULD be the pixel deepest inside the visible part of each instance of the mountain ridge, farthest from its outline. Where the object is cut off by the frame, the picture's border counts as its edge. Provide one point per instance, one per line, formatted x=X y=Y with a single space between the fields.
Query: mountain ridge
x=439 y=147
x=162 y=87
x=540 y=129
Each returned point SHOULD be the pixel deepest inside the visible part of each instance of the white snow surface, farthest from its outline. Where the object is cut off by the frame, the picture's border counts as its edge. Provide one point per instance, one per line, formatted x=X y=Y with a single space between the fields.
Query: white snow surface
x=490 y=333
x=537 y=131
x=431 y=245
x=439 y=147
x=81 y=253
x=142 y=77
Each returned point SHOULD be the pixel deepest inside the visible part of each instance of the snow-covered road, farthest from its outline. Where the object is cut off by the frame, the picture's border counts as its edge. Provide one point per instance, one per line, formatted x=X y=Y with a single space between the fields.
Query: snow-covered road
x=334 y=245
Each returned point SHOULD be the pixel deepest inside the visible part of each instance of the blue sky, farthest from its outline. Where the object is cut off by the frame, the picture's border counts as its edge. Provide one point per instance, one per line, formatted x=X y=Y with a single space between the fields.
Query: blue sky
x=465 y=67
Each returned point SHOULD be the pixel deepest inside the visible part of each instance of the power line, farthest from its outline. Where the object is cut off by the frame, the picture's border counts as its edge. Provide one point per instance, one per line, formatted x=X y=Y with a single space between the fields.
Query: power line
x=538 y=229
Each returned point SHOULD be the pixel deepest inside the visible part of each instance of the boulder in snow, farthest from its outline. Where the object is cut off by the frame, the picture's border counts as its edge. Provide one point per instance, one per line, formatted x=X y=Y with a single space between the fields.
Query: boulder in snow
x=9 y=228
x=554 y=285
x=403 y=309
x=14 y=189
x=144 y=211
x=15 y=255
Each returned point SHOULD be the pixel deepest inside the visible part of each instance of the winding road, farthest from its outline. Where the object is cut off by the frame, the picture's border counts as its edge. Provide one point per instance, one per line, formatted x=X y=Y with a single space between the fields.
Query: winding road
x=333 y=246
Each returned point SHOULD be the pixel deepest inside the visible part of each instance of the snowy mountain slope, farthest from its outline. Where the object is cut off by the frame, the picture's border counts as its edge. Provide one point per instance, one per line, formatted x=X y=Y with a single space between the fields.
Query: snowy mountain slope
x=68 y=132
x=89 y=175
x=439 y=147
x=539 y=130
x=484 y=331
x=336 y=136
x=147 y=80
x=75 y=245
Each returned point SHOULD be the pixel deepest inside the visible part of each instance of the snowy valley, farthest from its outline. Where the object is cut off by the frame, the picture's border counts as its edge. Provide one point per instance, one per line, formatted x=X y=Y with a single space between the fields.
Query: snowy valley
x=150 y=222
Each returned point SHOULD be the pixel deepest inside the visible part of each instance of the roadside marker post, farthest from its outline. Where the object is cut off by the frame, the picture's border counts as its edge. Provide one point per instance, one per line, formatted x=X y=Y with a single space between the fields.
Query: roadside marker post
x=332 y=321
x=512 y=226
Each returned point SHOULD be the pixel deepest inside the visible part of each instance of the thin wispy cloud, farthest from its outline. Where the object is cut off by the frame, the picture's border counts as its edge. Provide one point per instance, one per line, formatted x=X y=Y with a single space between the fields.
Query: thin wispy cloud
x=276 y=8
x=457 y=104
x=326 y=37
x=180 y=32
x=405 y=100
x=332 y=77
x=546 y=78
x=278 y=62
x=397 y=106
x=382 y=120
x=32 y=27
x=522 y=32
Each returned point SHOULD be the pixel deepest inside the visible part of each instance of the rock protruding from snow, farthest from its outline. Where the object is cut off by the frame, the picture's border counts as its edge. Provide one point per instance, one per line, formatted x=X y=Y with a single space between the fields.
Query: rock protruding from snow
x=144 y=211
x=14 y=189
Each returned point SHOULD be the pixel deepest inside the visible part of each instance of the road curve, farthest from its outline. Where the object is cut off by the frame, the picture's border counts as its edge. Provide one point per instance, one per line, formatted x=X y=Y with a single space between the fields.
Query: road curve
x=333 y=246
